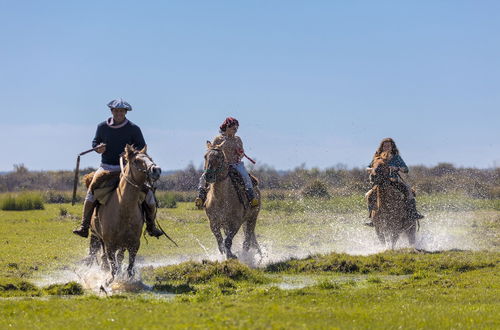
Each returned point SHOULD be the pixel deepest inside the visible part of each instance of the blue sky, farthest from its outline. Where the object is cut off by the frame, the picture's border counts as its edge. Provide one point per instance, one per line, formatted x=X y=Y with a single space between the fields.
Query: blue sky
x=314 y=82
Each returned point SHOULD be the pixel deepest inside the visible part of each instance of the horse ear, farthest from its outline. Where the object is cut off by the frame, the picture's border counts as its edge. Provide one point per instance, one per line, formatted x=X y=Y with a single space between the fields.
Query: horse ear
x=144 y=150
x=219 y=146
x=129 y=151
x=209 y=145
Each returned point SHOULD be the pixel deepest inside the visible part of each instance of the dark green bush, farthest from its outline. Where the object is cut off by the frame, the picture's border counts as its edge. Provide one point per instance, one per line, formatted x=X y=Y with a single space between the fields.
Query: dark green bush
x=316 y=188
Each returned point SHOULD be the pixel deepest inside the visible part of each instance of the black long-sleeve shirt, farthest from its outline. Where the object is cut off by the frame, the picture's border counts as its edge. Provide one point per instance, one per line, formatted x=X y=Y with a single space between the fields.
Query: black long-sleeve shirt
x=116 y=139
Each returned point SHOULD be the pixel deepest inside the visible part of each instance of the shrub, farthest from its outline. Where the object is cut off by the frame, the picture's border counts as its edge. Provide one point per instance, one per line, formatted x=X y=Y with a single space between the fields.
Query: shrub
x=167 y=200
x=316 y=188
x=22 y=202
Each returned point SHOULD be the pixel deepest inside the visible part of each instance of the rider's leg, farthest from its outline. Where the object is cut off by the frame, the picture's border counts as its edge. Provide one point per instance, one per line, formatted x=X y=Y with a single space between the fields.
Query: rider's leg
x=240 y=167
x=88 y=209
x=149 y=207
x=370 y=198
x=202 y=192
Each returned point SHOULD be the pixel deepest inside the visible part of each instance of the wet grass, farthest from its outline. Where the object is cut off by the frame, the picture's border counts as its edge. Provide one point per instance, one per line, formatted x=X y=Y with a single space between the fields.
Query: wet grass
x=403 y=288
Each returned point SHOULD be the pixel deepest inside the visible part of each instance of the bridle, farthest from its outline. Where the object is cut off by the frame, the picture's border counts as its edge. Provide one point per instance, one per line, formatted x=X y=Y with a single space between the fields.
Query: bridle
x=220 y=169
x=149 y=182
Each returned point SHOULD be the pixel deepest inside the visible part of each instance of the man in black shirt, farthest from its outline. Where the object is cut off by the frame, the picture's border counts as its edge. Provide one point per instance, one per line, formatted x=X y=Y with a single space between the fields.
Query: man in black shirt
x=110 y=139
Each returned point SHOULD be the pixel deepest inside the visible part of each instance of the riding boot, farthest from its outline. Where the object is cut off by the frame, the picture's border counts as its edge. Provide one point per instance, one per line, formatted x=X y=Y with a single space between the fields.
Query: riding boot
x=202 y=197
x=150 y=216
x=88 y=210
x=251 y=197
x=413 y=214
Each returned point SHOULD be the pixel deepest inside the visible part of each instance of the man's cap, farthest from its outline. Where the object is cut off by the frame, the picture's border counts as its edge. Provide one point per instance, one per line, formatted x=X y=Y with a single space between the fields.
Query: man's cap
x=120 y=104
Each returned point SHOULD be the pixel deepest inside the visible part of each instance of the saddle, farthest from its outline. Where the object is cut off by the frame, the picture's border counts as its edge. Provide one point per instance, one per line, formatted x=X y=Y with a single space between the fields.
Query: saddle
x=104 y=184
x=239 y=185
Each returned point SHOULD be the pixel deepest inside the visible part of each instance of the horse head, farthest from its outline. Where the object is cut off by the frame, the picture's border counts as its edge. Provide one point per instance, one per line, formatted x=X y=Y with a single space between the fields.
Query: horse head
x=141 y=165
x=380 y=171
x=214 y=162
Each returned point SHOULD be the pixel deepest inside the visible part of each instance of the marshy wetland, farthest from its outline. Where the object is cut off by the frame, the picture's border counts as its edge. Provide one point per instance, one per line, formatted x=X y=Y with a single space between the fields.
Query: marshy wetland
x=320 y=268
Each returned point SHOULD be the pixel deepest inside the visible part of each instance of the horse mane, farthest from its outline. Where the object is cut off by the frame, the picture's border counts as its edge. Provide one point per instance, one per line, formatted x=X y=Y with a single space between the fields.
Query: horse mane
x=383 y=157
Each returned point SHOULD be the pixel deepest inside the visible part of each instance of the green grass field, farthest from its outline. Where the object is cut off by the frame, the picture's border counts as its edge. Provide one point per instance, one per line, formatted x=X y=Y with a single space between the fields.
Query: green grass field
x=321 y=269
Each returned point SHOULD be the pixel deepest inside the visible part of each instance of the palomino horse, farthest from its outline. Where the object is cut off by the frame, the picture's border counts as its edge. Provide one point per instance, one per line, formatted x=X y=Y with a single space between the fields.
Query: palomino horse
x=119 y=222
x=390 y=216
x=223 y=207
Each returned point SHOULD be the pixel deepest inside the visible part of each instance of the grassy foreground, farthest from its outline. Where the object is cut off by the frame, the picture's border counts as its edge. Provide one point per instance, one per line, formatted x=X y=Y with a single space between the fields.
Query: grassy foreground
x=404 y=288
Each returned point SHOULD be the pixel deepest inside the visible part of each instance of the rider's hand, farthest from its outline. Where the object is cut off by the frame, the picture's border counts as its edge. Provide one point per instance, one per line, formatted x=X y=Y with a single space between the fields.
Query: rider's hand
x=368 y=169
x=394 y=168
x=101 y=148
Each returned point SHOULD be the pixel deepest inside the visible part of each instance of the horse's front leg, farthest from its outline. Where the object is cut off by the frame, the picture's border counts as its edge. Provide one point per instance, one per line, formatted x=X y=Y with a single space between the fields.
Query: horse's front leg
x=132 y=253
x=111 y=256
x=410 y=233
x=228 y=243
x=214 y=226
x=119 y=259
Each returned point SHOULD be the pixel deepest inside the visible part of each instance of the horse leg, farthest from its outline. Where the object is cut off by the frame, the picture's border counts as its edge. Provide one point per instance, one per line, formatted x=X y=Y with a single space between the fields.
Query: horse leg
x=228 y=243
x=380 y=234
x=250 y=238
x=131 y=261
x=394 y=239
x=111 y=255
x=94 y=247
x=410 y=233
x=119 y=259
x=218 y=236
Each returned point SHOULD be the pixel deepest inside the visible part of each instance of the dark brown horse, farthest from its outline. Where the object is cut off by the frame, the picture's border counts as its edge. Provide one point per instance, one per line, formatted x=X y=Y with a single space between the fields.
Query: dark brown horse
x=223 y=207
x=119 y=222
x=390 y=216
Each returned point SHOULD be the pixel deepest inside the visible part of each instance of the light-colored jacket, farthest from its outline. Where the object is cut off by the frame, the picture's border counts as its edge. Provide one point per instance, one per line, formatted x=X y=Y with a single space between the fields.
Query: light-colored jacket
x=232 y=148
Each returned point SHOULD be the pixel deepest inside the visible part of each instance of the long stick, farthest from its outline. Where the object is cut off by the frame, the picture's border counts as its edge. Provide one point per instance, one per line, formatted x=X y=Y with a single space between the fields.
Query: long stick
x=250 y=159
x=75 y=181
x=77 y=170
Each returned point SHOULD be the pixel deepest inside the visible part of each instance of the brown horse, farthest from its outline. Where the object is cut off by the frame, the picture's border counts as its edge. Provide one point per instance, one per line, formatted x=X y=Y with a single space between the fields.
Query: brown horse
x=118 y=224
x=390 y=216
x=223 y=207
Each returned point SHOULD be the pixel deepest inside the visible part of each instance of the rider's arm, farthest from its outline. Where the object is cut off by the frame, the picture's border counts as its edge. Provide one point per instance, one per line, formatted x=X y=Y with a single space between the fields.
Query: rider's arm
x=138 y=139
x=97 y=138
x=398 y=162
x=240 y=151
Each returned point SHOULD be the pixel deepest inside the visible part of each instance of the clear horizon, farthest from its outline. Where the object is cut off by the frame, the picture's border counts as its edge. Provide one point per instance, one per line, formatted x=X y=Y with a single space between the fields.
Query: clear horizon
x=317 y=83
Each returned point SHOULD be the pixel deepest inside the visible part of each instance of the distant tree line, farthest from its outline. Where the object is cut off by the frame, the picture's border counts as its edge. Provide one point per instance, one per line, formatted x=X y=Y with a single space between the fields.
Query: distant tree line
x=442 y=178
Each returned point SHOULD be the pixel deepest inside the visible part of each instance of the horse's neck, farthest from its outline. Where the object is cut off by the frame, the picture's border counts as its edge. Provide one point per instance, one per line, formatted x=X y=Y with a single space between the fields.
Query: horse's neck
x=387 y=196
x=128 y=195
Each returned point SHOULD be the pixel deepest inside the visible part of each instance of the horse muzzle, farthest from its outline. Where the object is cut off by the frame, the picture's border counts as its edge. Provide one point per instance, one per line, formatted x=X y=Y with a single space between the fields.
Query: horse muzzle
x=155 y=173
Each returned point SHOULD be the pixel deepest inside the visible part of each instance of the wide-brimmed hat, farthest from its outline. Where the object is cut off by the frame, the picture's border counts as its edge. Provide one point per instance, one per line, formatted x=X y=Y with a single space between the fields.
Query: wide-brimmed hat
x=120 y=104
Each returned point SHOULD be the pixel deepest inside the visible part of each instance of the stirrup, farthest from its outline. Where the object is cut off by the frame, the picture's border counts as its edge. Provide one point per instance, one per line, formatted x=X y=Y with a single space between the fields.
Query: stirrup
x=254 y=202
x=154 y=232
x=198 y=202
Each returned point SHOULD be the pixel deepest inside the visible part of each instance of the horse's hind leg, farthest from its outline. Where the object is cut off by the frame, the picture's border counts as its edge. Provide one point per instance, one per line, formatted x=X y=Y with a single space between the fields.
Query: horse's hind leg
x=250 y=238
x=94 y=247
x=218 y=236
